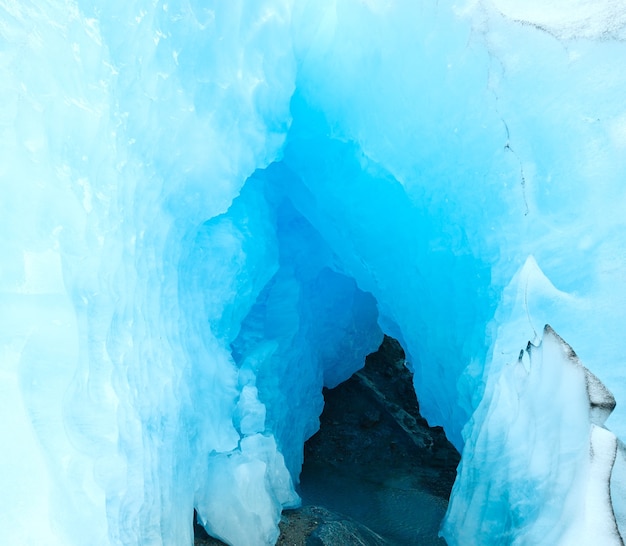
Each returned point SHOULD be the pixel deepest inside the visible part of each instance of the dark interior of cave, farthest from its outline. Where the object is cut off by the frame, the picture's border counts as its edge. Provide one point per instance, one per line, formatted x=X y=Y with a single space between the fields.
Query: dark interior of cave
x=375 y=473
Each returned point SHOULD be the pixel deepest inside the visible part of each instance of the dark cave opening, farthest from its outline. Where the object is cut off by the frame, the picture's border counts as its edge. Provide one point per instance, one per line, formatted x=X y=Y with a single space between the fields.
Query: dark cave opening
x=375 y=473
x=376 y=460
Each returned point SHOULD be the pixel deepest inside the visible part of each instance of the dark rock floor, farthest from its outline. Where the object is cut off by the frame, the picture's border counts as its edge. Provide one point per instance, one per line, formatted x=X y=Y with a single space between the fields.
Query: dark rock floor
x=375 y=474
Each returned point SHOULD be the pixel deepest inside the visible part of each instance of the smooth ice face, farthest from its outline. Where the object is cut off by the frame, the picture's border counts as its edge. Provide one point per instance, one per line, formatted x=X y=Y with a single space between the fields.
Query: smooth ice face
x=211 y=210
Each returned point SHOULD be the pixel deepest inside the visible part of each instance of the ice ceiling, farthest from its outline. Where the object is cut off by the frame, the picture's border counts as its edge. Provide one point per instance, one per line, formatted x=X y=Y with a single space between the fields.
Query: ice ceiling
x=211 y=209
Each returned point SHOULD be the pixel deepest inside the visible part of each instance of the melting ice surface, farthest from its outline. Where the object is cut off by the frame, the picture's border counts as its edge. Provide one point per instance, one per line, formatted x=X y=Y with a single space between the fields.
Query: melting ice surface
x=210 y=210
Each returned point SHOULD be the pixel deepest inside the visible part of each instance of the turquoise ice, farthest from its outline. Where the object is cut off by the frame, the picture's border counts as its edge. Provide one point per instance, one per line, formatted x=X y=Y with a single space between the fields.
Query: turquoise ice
x=210 y=210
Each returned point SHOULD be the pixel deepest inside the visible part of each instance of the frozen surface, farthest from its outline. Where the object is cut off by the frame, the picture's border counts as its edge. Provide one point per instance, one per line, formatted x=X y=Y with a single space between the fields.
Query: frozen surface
x=538 y=442
x=209 y=210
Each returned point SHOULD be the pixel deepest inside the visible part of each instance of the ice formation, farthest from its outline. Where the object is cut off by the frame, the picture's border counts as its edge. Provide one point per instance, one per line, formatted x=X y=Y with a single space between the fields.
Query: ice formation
x=212 y=209
x=518 y=460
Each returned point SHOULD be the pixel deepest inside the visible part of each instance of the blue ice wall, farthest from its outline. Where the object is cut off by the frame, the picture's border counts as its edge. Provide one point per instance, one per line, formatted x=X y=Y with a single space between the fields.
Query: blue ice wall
x=210 y=210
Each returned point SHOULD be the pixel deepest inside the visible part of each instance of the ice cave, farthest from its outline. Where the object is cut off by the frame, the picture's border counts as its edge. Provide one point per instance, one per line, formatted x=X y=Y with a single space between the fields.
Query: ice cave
x=213 y=210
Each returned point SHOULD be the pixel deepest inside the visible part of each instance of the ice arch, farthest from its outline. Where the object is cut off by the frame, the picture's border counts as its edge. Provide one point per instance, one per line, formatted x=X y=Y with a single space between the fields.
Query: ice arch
x=210 y=209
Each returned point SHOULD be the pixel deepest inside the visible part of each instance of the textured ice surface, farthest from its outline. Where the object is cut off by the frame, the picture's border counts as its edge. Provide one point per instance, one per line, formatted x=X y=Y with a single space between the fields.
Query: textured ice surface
x=539 y=442
x=209 y=210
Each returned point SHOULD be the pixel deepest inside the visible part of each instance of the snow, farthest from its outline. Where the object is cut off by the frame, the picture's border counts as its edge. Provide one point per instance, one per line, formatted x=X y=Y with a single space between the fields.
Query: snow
x=211 y=211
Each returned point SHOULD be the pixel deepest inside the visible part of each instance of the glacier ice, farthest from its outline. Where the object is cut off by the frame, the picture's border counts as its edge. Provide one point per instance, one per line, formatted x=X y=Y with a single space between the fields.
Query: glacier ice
x=211 y=210
x=518 y=463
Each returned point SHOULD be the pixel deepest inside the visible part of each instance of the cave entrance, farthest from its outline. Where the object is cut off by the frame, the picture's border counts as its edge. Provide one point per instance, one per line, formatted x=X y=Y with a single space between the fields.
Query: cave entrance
x=375 y=459
x=375 y=473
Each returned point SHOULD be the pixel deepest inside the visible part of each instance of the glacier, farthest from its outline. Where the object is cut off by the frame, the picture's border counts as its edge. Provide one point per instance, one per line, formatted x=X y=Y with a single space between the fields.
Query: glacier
x=211 y=210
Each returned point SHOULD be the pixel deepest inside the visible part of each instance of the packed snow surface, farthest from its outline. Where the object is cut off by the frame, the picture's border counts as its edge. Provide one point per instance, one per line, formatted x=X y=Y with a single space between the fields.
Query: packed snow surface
x=210 y=210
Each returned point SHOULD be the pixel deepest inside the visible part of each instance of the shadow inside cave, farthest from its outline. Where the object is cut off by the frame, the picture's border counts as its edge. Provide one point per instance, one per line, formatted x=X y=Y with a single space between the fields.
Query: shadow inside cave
x=375 y=473
x=375 y=459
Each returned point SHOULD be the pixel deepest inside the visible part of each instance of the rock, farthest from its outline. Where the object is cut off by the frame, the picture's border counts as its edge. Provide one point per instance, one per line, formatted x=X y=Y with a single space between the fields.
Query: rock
x=325 y=528
x=370 y=419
